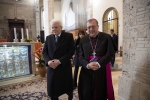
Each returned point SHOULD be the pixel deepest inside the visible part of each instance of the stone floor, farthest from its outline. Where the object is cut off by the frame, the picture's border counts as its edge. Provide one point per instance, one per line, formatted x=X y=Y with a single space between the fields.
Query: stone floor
x=115 y=75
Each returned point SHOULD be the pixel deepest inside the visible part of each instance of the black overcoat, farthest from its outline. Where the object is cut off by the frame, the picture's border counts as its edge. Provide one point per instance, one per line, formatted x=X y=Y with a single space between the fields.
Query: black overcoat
x=59 y=80
x=76 y=60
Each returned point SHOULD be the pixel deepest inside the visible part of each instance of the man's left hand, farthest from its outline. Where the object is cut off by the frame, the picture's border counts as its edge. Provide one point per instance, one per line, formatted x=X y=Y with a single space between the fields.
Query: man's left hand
x=56 y=62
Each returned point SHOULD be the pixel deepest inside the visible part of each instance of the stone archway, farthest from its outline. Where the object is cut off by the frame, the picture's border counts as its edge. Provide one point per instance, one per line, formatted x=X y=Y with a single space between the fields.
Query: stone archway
x=110 y=20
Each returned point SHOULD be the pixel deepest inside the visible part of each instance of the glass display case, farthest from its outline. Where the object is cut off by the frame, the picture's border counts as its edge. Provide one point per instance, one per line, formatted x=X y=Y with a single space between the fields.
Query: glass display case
x=15 y=60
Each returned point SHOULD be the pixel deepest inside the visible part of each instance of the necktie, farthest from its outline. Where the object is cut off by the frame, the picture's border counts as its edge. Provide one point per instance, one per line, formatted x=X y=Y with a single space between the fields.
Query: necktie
x=56 y=39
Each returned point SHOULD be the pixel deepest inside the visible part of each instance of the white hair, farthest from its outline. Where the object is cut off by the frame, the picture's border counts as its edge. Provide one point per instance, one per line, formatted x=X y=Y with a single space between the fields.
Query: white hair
x=56 y=21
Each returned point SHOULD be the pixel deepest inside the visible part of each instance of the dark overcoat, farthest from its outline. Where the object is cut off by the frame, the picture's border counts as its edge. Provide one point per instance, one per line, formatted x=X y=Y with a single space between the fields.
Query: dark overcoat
x=59 y=80
x=76 y=62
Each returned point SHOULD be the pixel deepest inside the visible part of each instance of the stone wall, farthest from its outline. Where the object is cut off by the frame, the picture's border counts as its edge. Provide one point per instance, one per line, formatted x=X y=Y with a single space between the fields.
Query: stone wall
x=21 y=9
x=49 y=15
x=134 y=84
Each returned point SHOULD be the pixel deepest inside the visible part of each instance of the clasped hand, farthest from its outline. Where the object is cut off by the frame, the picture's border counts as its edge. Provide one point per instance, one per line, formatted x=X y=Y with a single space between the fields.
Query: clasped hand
x=93 y=66
x=54 y=63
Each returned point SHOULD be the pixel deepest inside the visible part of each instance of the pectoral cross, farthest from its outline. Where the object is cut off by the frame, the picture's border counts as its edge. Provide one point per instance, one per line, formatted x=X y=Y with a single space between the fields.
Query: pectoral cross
x=94 y=53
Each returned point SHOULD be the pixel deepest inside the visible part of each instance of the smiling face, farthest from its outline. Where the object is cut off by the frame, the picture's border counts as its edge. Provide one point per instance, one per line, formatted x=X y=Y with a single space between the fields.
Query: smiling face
x=56 y=28
x=92 y=27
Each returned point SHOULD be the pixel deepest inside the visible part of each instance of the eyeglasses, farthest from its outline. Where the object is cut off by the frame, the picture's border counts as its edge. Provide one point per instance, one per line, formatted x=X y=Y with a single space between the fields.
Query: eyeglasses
x=92 y=27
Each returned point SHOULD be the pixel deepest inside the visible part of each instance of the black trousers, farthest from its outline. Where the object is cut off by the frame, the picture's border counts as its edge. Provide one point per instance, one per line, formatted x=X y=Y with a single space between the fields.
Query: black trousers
x=113 y=60
x=75 y=76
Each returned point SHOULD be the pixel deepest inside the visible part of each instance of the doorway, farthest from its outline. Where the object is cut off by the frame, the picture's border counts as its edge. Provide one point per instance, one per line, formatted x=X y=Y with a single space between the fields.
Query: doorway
x=18 y=25
x=110 y=21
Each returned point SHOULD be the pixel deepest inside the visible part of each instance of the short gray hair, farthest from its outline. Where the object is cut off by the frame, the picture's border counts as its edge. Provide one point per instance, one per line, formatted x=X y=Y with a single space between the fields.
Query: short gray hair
x=93 y=19
x=57 y=21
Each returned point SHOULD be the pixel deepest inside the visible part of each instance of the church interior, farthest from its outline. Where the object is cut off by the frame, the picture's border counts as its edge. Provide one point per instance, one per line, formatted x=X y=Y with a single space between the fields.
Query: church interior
x=25 y=24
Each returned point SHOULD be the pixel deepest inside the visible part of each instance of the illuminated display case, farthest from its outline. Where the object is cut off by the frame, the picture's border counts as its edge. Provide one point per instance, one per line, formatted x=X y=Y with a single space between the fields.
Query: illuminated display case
x=16 y=59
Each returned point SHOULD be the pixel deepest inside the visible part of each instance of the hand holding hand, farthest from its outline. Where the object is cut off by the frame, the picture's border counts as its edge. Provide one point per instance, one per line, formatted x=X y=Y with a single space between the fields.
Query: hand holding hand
x=56 y=62
x=93 y=65
x=51 y=64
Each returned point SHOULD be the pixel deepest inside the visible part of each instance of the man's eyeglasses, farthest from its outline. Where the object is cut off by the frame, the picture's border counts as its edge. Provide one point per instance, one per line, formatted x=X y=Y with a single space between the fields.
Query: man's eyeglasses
x=92 y=27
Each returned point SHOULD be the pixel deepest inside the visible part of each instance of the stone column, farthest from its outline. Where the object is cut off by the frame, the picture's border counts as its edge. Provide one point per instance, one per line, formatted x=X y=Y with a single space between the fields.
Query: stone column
x=37 y=13
x=134 y=84
x=49 y=15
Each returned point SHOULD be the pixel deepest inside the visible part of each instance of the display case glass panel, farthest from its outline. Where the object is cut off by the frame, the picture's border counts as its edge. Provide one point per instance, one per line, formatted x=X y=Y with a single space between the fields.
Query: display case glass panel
x=14 y=61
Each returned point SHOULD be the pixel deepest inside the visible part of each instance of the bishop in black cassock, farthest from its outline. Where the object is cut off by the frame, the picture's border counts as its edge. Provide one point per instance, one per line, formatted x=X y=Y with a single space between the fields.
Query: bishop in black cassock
x=96 y=84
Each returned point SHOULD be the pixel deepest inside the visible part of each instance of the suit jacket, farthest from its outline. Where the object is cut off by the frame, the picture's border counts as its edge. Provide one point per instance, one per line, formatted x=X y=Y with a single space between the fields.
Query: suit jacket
x=59 y=80
x=115 y=39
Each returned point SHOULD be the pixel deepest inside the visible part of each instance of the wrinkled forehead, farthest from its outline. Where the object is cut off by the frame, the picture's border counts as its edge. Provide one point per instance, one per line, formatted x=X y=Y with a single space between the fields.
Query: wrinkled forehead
x=55 y=24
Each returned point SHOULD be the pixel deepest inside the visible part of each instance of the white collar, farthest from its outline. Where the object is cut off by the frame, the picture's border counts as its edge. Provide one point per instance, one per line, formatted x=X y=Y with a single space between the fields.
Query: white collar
x=58 y=35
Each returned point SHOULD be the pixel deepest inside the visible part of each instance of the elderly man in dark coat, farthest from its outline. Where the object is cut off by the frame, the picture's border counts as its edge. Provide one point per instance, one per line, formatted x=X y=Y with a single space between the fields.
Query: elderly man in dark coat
x=57 y=52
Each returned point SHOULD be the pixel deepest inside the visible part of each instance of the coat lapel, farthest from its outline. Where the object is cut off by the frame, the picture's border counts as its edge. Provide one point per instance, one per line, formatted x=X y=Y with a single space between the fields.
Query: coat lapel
x=60 y=41
x=52 y=42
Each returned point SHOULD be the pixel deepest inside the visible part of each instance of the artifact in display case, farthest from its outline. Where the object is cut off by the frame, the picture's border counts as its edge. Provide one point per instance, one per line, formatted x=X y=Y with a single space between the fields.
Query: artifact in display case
x=14 y=61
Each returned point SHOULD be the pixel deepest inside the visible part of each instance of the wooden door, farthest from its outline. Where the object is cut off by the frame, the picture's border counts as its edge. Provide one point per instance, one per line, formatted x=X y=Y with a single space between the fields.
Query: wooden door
x=42 y=36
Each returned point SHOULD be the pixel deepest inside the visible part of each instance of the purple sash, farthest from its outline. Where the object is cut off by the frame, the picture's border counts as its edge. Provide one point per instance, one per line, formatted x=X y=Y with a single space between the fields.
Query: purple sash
x=110 y=90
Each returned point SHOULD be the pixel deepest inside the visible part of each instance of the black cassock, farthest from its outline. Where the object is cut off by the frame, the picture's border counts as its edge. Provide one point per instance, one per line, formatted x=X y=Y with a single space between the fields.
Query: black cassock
x=93 y=85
